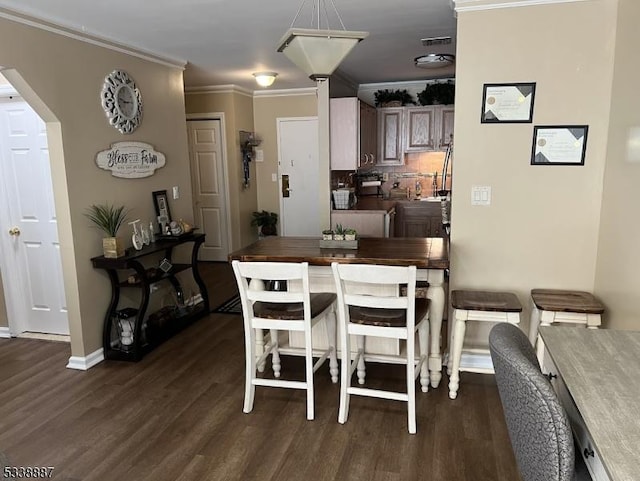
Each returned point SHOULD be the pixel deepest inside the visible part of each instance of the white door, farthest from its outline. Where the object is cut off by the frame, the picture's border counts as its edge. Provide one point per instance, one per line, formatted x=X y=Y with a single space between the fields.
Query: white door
x=209 y=185
x=298 y=173
x=30 y=252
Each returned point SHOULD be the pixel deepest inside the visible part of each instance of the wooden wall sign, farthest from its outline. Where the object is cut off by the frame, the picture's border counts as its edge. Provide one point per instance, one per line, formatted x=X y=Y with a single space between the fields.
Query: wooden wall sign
x=130 y=160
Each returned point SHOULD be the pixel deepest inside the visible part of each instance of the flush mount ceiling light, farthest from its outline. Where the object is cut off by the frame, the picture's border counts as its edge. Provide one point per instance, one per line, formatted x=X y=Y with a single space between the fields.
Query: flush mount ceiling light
x=434 y=60
x=318 y=51
x=265 y=79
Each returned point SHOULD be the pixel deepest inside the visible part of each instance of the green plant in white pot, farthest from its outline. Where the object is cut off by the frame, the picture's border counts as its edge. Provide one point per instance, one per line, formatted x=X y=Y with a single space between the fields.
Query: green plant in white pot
x=109 y=219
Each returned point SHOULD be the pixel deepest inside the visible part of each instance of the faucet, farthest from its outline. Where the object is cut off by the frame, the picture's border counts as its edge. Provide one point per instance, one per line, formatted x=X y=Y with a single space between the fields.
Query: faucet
x=445 y=166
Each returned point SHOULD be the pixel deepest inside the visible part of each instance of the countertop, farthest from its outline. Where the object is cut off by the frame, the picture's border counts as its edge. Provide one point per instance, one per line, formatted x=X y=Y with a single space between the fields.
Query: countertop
x=378 y=205
x=424 y=253
x=600 y=369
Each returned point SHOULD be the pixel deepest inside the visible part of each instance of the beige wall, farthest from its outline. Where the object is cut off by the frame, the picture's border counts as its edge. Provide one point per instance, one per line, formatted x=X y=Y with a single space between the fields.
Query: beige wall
x=617 y=279
x=238 y=115
x=542 y=227
x=266 y=110
x=67 y=76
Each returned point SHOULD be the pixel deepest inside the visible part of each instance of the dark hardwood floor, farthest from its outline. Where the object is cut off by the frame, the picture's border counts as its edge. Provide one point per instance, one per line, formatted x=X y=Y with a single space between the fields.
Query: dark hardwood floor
x=177 y=415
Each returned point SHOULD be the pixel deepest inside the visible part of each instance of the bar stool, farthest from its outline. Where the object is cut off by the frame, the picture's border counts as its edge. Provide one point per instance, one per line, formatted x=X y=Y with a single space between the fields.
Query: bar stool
x=481 y=306
x=555 y=305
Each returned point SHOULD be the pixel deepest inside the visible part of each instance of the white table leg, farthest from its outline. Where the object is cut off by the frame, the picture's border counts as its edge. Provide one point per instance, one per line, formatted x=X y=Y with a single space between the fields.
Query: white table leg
x=435 y=293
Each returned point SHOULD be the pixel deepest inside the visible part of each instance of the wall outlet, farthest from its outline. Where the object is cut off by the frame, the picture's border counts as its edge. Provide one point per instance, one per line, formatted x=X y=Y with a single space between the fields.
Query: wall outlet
x=385 y=176
x=259 y=155
x=274 y=177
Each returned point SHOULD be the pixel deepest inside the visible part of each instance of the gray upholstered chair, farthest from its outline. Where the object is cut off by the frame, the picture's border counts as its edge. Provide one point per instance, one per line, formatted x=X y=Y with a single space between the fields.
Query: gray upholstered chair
x=538 y=426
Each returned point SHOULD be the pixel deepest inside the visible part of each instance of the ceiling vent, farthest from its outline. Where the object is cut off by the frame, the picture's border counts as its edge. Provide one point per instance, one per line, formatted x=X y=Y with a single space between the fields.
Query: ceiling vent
x=428 y=42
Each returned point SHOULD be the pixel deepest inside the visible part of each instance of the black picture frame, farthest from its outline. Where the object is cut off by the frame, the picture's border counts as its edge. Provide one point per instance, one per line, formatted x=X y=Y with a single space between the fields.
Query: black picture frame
x=161 y=204
x=559 y=144
x=505 y=97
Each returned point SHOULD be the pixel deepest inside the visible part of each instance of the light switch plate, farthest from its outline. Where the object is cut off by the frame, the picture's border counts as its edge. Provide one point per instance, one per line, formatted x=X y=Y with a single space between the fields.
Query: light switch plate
x=259 y=155
x=274 y=177
x=481 y=195
x=176 y=192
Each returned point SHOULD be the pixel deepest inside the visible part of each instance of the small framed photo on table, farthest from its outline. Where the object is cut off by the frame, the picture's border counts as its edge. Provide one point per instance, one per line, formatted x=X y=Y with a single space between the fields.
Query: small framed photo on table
x=507 y=103
x=559 y=144
x=161 y=203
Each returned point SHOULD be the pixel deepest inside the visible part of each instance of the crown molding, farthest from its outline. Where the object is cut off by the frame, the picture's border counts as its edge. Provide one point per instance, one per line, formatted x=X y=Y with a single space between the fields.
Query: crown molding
x=477 y=5
x=71 y=32
x=403 y=84
x=218 y=89
x=285 y=92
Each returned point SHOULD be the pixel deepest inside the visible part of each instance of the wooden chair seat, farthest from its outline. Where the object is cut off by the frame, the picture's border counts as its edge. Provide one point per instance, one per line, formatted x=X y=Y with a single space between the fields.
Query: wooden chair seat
x=566 y=301
x=387 y=317
x=293 y=311
x=485 y=301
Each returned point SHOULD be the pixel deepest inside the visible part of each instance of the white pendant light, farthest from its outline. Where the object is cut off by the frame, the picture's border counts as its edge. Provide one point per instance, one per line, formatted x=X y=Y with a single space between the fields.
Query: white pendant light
x=317 y=51
x=265 y=79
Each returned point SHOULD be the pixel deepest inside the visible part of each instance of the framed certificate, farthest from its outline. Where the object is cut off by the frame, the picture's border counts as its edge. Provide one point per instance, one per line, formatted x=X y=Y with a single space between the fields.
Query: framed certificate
x=507 y=103
x=559 y=145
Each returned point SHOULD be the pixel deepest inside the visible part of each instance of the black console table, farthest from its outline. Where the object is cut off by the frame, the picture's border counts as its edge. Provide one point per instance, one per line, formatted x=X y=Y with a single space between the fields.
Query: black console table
x=166 y=322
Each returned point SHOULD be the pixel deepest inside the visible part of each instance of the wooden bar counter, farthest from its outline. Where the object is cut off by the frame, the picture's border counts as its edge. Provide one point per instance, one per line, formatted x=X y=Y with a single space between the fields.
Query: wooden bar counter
x=429 y=255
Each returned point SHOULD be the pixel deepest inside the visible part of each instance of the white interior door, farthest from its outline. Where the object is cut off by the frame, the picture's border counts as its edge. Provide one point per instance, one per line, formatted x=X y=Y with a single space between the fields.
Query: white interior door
x=298 y=157
x=30 y=252
x=209 y=186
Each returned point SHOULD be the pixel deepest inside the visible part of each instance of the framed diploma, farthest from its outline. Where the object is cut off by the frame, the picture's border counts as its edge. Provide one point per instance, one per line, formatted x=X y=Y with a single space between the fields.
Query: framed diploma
x=559 y=145
x=507 y=103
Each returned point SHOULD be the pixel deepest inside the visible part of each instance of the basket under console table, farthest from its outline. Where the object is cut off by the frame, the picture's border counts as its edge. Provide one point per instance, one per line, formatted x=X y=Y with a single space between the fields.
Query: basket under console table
x=143 y=335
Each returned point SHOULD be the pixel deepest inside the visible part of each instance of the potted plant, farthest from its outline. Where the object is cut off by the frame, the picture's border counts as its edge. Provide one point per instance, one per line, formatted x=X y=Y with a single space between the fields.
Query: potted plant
x=327 y=234
x=350 y=234
x=393 y=98
x=109 y=219
x=338 y=233
x=267 y=222
x=442 y=93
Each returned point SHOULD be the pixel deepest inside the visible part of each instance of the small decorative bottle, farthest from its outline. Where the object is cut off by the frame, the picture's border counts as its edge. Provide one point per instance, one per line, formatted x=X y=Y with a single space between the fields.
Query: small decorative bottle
x=152 y=234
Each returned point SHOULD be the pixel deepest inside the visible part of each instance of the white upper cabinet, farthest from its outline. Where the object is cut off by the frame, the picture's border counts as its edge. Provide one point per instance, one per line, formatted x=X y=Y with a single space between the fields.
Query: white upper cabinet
x=352 y=132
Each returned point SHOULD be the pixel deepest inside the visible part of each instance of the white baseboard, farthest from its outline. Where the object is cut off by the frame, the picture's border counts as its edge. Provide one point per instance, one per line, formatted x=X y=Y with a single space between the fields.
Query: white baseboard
x=4 y=333
x=87 y=362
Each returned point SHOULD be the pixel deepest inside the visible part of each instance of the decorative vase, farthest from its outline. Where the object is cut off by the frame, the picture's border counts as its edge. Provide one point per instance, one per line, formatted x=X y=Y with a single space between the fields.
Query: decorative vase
x=350 y=237
x=112 y=247
x=392 y=103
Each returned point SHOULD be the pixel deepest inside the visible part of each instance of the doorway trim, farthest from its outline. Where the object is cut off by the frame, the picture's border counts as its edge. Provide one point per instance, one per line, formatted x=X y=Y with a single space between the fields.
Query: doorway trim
x=63 y=209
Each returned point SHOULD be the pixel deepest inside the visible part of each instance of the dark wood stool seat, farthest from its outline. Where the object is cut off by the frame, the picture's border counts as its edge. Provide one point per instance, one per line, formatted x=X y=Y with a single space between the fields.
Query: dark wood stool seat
x=551 y=306
x=387 y=317
x=485 y=301
x=479 y=306
x=566 y=301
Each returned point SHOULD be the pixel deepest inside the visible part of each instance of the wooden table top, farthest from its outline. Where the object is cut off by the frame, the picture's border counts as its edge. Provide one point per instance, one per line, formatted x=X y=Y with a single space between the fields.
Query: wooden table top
x=600 y=369
x=424 y=253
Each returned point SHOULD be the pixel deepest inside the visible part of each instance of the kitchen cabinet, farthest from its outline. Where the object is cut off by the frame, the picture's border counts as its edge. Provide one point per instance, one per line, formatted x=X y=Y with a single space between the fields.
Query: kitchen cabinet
x=413 y=129
x=418 y=219
x=428 y=128
x=419 y=132
x=390 y=136
x=368 y=223
x=353 y=133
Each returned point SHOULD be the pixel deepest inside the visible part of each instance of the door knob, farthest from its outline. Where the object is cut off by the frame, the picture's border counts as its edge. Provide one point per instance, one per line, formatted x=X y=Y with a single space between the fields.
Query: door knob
x=15 y=231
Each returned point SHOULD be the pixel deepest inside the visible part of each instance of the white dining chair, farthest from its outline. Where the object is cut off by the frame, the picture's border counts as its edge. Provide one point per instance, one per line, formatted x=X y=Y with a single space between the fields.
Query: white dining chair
x=386 y=315
x=282 y=311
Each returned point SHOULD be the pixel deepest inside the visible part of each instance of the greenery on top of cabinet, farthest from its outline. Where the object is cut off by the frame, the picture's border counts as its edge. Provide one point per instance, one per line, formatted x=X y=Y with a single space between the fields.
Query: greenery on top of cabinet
x=442 y=93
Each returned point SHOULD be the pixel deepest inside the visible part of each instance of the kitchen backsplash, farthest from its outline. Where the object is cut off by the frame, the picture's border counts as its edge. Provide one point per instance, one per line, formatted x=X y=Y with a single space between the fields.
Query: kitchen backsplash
x=418 y=166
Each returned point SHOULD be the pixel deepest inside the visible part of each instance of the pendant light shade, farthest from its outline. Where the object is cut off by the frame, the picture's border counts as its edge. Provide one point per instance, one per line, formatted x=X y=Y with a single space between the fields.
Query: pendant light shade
x=318 y=52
